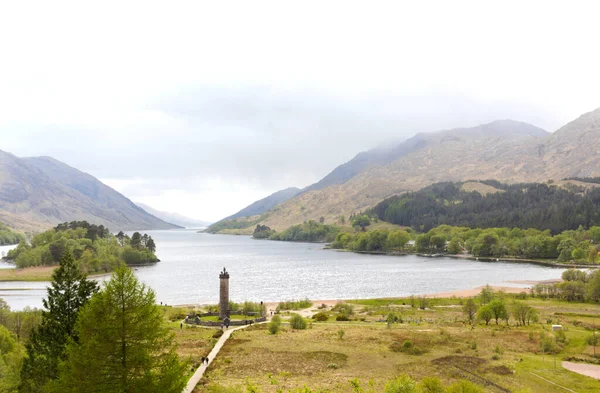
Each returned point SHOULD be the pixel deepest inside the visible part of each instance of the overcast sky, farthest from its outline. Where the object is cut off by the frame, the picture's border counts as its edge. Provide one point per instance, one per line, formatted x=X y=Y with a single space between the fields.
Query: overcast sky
x=201 y=108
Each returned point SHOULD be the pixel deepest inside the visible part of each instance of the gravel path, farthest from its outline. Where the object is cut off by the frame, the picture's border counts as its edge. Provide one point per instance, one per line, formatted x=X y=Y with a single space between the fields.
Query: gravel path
x=211 y=356
x=589 y=370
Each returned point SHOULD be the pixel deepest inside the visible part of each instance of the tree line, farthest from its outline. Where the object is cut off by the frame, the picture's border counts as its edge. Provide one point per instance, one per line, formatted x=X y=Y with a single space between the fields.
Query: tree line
x=578 y=245
x=532 y=205
x=93 y=247
x=309 y=231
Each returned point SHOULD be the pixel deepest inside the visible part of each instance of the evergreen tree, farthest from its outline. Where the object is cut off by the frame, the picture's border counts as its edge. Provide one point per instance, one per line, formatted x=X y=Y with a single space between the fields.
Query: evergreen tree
x=136 y=240
x=124 y=344
x=150 y=245
x=69 y=291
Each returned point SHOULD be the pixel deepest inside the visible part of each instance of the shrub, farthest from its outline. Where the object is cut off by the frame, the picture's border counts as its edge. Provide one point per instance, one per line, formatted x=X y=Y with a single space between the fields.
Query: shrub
x=342 y=317
x=321 y=316
x=343 y=308
x=464 y=387
x=297 y=322
x=294 y=305
x=217 y=334
x=275 y=324
x=496 y=356
x=402 y=384
x=406 y=347
x=332 y=366
x=341 y=333
x=430 y=385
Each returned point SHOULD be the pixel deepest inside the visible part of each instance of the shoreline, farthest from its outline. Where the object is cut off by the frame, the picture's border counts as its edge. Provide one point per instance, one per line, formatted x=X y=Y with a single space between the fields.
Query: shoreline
x=458 y=293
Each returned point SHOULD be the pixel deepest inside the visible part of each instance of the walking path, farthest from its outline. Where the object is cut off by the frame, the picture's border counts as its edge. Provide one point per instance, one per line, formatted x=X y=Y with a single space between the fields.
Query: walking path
x=588 y=370
x=211 y=356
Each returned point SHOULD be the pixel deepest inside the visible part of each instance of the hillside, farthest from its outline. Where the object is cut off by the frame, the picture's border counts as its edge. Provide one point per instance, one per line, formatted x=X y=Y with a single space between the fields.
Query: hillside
x=533 y=205
x=255 y=209
x=39 y=192
x=505 y=150
x=174 y=218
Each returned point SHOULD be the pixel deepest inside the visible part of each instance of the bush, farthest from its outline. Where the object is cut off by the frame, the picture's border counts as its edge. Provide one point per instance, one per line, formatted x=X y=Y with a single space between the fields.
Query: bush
x=217 y=334
x=340 y=334
x=294 y=305
x=464 y=387
x=321 y=316
x=430 y=385
x=406 y=347
x=275 y=324
x=342 y=318
x=343 y=308
x=297 y=322
x=402 y=384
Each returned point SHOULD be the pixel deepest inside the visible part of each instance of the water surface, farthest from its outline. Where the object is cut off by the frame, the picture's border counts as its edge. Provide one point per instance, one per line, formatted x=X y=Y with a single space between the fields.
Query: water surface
x=263 y=270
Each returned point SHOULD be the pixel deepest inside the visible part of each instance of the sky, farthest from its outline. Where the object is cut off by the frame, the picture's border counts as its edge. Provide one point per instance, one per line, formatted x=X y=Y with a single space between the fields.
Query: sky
x=201 y=108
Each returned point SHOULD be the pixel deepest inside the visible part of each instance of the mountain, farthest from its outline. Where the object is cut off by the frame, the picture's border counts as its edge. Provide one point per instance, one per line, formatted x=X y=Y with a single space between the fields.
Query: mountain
x=174 y=218
x=263 y=205
x=503 y=150
x=384 y=155
x=37 y=193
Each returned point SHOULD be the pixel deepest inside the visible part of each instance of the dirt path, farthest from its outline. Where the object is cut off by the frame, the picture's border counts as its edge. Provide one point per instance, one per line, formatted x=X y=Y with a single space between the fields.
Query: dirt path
x=191 y=385
x=588 y=370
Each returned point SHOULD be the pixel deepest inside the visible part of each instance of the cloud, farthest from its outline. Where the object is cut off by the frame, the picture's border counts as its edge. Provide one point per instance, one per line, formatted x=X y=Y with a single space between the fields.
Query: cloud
x=205 y=108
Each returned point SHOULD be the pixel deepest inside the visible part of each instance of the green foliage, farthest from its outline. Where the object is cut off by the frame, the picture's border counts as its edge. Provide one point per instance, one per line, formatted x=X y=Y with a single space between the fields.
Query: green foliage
x=11 y=357
x=528 y=206
x=124 y=345
x=67 y=294
x=485 y=313
x=8 y=236
x=498 y=309
x=310 y=231
x=321 y=316
x=234 y=224
x=297 y=322
x=430 y=385
x=470 y=309
x=341 y=333
x=361 y=221
x=402 y=384
x=275 y=324
x=343 y=308
x=262 y=232
x=294 y=305
x=93 y=248
x=464 y=387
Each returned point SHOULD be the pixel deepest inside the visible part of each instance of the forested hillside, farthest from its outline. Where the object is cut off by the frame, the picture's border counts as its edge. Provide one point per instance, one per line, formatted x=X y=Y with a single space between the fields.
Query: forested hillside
x=8 y=236
x=533 y=205
x=93 y=247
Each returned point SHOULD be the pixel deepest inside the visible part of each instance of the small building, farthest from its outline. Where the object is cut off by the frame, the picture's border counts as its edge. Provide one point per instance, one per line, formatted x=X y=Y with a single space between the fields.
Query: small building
x=556 y=328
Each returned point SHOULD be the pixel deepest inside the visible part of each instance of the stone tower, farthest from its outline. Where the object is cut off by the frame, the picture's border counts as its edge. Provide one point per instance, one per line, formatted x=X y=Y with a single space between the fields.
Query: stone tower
x=224 y=295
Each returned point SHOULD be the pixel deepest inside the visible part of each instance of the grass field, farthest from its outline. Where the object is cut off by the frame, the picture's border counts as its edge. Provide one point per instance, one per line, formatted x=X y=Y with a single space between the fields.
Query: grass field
x=370 y=353
x=40 y=273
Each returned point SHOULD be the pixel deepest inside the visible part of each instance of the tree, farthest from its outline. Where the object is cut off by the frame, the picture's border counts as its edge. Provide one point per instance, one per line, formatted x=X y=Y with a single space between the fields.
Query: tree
x=397 y=239
x=454 y=246
x=124 y=345
x=136 y=240
x=486 y=295
x=470 y=309
x=68 y=293
x=4 y=312
x=522 y=312
x=499 y=310
x=361 y=221
x=438 y=242
x=578 y=254
x=592 y=254
x=593 y=287
x=11 y=355
x=150 y=245
x=485 y=313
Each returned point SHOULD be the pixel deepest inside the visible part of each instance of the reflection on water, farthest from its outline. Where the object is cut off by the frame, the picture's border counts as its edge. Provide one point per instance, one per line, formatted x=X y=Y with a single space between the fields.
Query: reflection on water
x=270 y=271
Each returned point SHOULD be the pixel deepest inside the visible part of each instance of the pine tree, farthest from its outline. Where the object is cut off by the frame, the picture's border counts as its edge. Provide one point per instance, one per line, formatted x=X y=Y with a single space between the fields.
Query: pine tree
x=124 y=344
x=69 y=291
x=150 y=245
x=136 y=240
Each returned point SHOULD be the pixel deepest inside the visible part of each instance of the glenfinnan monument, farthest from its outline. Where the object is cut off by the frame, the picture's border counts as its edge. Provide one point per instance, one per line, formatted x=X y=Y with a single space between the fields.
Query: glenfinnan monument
x=224 y=295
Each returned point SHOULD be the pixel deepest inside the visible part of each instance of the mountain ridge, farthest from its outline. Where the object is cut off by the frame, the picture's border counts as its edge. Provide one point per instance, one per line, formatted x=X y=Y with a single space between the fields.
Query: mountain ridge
x=174 y=218
x=505 y=150
x=37 y=193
